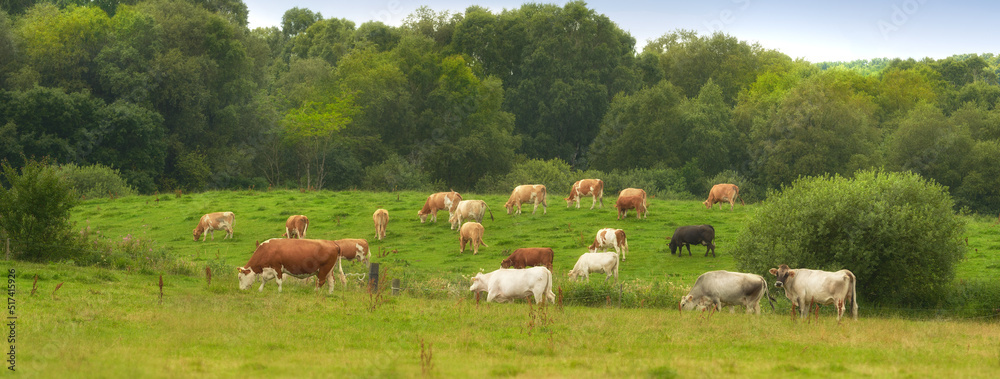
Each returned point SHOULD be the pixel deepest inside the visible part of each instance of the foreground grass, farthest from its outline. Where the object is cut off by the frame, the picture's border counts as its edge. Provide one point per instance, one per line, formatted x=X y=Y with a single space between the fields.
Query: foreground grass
x=104 y=323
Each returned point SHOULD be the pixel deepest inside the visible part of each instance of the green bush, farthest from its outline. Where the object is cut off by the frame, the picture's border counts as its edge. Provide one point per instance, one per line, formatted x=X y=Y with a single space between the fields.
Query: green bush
x=663 y=183
x=95 y=181
x=395 y=174
x=897 y=233
x=555 y=174
x=133 y=254
x=34 y=213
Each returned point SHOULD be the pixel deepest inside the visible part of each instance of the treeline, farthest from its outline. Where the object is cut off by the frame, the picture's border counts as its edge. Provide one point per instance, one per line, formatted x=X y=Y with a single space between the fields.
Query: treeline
x=182 y=95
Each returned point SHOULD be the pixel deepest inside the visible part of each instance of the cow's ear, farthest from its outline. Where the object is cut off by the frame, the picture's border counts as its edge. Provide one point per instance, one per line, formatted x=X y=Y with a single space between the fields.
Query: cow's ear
x=791 y=273
x=773 y=271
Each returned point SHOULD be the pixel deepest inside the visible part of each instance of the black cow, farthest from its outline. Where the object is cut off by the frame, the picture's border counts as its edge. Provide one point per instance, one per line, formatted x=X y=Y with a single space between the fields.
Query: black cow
x=693 y=235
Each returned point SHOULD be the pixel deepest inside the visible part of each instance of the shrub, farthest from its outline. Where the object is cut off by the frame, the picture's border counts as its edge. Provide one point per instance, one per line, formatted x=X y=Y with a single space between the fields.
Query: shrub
x=660 y=182
x=95 y=181
x=133 y=254
x=748 y=190
x=555 y=174
x=897 y=233
x=34 y=213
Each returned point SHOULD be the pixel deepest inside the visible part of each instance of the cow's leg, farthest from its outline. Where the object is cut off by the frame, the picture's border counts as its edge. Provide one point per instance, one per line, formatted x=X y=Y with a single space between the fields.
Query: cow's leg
x=689 y=249
x=461 y=243
x=278 y=279
x=475 y=246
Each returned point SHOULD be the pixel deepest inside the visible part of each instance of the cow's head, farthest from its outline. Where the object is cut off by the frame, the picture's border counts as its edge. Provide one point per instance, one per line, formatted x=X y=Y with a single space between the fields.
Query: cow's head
x=510 y=206
x=572 y=274
x=506 y=263
x=708 y=204
x=246 y=276
x=687 y=303
x=453 y=219
x=478 y=284
x=783 y=274
x=422 y=215
x=197 y=233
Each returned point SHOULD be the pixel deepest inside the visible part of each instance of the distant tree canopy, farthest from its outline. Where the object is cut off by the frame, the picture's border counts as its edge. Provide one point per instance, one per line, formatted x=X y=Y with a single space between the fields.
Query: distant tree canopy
x=182 y=95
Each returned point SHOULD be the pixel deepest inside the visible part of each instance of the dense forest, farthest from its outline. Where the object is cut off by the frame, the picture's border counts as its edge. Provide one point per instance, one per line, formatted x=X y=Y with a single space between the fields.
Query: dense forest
x=182 y=95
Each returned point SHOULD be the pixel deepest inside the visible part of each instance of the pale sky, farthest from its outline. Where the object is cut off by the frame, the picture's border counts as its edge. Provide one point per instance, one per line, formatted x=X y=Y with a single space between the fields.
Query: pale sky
x=815 y=30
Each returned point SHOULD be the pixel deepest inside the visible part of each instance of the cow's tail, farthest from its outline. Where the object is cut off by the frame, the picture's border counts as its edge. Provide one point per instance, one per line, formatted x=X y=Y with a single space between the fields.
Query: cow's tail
x=854 y=294
x=549 y=295
x=767 y=293
x=738 y=195
x=489 y=210
x=544 y=195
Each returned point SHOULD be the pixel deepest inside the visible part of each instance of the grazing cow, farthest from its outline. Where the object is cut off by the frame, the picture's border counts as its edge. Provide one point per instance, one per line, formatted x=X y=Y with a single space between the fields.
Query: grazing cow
x=469 y=210
x=351 y=249
x=610 y=238
x=723 y=192
x=806 y=287
x=439 y=201
x=527 y=193
x=211 y=222
x=716 y=289
x=471 y=232
x=300 y=258
x=693 y=235
x=529 y=256
x=624 y=203
x=636 y=192
x=606 y=263
x=584 y=187
x=296 y=226
x=508 y=284
x=381 y=219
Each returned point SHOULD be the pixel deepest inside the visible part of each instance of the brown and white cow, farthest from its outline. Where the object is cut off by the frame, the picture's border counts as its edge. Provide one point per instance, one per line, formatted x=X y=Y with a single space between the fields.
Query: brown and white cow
x=636 y=192
x=806 y=287
x=717 y=289
x=469 y=210
x=352 y=249
x=624 y=203
x=610 y=238
x=527 y=193
x=296 y=226
x=471 y=232
x=438 y=201
x=723 y=192
x=300 y=258
x=529 y=256
x=211 y=222
x=585 y=187
x=381 y=219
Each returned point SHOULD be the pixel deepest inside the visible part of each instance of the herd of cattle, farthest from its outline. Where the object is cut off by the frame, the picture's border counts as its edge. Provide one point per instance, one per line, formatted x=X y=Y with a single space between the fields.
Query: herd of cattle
x=527 y=272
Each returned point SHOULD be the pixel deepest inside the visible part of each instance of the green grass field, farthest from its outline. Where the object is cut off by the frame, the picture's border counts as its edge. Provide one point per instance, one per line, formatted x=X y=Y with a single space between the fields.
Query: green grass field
x=111 y=323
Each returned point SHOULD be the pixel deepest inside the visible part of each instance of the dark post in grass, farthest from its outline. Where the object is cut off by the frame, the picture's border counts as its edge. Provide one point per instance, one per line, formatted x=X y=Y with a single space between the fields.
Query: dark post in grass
x=373 y=278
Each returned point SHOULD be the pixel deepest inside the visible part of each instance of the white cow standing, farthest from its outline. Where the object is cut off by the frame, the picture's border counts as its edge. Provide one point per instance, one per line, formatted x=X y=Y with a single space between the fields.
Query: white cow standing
x=805 y=287
x=513 y=283
x=469 y=210
x=606 y=263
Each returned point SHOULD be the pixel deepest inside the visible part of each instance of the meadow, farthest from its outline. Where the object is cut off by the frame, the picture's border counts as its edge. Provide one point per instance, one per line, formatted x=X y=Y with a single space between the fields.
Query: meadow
x=104 y=322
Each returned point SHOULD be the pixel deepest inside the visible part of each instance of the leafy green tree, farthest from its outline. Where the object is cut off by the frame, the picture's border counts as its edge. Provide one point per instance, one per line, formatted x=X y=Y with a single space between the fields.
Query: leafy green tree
x=132 y=140
x=296 y=20
x=711 y=138
x=61 y=45
x=34 y=213
x=929 y=144
x=328 y=39
x=896 y=232
x=8 y=47
x=312 y=126
x=644 y=129
x=823 y=126
x=48 y=122
x=472 y=135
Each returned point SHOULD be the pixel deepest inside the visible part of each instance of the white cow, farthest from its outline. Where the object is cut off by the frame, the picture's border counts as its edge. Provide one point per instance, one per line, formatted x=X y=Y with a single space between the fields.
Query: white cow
x=721 y=288
x=606 y=263
x=610 y=238
x=469 y=210
x=806 y=287
x=515 y=283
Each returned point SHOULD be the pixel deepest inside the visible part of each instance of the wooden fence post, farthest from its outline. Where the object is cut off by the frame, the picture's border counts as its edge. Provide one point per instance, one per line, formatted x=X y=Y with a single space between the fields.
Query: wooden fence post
x=373 y=278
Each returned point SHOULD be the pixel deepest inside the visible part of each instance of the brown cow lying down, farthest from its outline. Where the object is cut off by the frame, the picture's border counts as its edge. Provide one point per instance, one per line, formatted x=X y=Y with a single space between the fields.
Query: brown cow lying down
x=625 y=203
x=211 y=222
x=471 y=231
x=528 y=193
x=529 y=256
x=723 y=192
x=585 y=187
x=296 y=226
x=438 y=201
x=381 y=219
x=300 y=258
